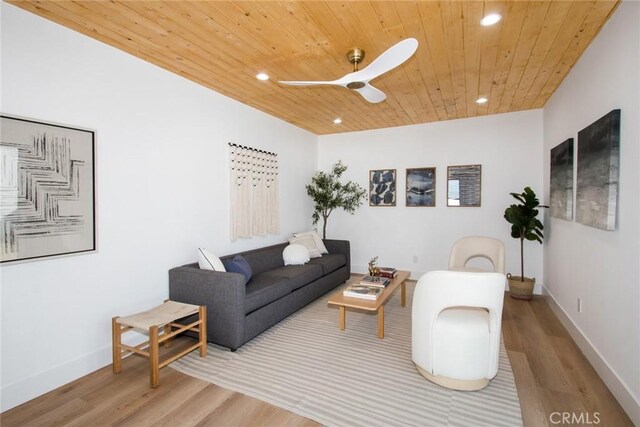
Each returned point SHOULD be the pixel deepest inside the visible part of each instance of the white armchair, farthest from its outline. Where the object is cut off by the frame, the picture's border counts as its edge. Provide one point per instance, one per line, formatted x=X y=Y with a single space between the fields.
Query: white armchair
x=471 y=247
x=456 y=325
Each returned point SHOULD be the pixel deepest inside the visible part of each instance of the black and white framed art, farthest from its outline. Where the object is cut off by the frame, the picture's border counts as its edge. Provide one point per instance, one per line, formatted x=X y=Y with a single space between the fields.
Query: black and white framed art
x=561 y=181
x=421 y=187
x=598 y=172
x=47 y=185
x=382 y=187
x=464 y=185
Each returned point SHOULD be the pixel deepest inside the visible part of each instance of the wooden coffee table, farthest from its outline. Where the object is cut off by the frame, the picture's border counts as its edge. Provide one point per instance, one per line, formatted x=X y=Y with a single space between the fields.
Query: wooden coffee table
x=371 y=305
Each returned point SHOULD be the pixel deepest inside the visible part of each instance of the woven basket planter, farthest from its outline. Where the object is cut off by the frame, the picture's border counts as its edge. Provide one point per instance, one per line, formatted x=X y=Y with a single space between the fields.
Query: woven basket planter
x=519 y=289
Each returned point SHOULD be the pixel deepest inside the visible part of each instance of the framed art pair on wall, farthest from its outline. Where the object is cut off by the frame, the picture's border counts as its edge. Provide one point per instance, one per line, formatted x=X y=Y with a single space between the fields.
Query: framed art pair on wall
x=420 y=187
x=463 y=186
x=597 y=172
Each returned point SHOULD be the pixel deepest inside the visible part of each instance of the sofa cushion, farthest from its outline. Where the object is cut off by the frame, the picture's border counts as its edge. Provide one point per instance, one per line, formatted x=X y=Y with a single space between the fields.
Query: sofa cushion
x=329 y=262
x=207 y=260
x=316 y=238
x=264 y=288
x=263 y=259
x=298 y=275
x=238 y=265
x=307 y=242
x=295 y=254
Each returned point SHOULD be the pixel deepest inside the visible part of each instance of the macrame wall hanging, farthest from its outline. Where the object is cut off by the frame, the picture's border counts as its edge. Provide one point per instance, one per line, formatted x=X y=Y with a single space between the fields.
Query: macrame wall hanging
x=254 y=192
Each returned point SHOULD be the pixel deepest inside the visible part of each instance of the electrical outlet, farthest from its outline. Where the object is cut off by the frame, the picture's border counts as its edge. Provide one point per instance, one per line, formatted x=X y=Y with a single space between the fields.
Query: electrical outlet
x=579 y=305
x=415 y=259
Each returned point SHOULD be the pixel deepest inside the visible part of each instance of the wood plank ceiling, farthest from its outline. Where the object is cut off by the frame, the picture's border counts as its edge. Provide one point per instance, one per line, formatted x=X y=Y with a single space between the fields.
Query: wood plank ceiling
x=517 y=64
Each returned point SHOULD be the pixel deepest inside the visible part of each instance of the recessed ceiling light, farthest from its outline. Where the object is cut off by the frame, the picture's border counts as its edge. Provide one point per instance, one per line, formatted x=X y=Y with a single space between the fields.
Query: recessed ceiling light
x=490 y=19
x=262 y=76
x=337 y=121
x=481 y=100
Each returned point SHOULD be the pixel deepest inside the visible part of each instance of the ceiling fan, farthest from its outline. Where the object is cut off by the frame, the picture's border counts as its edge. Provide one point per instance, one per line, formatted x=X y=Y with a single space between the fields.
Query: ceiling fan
x=358 y=80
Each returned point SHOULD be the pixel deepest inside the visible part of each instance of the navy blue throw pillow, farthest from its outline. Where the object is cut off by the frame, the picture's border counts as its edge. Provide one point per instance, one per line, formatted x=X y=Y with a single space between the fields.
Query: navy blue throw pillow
x=238 y=265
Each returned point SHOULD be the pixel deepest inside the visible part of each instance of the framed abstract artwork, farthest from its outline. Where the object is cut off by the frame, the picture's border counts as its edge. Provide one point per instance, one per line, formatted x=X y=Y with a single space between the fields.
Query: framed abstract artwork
x=561 y=181
x=48 y=190
x=598 y=171
x=382 y=187
x=464 y=185
x=421 y=187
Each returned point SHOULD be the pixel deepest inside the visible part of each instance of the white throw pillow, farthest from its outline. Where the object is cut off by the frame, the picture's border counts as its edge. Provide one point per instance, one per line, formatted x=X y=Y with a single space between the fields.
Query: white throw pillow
x=295 y=255
x=307 y=242
x=208 y=261
x=316 y=238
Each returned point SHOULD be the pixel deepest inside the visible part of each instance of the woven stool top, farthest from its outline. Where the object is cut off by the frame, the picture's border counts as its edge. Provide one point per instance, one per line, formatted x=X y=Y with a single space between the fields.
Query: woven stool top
x=158 y=316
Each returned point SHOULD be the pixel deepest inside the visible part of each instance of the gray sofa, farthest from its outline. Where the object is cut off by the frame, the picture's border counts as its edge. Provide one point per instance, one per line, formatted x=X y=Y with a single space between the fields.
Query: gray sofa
x=238 y=312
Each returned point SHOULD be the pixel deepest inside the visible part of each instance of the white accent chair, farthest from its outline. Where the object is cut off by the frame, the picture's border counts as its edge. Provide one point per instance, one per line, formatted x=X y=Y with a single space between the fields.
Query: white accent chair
x=456 y=325
x=471 y=247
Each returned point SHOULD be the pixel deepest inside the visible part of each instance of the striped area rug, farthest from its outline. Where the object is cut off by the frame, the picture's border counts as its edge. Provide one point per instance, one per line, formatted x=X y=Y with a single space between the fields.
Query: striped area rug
x=306 y=365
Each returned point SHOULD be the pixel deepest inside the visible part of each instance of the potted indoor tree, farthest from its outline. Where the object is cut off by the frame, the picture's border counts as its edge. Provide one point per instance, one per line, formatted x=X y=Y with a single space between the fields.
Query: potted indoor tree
x=328 y=193
x=524 y=226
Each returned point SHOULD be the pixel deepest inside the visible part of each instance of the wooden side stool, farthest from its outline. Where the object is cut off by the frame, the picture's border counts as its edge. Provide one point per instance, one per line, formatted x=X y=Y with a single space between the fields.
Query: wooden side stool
x=162 y=316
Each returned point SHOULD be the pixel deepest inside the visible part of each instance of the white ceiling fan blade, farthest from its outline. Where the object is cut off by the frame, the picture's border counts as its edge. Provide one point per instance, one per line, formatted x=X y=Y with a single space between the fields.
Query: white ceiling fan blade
x=371 y=94
x=342 y=81
x=389 y=60
x=309 y=83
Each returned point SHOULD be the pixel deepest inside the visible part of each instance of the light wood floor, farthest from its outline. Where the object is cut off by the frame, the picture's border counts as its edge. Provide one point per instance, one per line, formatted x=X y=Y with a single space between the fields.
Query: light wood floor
x=551 y=375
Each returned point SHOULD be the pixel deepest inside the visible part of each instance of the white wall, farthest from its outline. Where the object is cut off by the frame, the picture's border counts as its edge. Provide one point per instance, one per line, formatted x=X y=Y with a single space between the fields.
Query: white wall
x=602 y=267
x=162 y=191
x=508 y=148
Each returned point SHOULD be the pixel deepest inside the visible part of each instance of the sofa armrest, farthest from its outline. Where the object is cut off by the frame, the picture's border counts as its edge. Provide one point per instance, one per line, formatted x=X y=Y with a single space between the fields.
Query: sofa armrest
x=222 y=293
x=340 y=247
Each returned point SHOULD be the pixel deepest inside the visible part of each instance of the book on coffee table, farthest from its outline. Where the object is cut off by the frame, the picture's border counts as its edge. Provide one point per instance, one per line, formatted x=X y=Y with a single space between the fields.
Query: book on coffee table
x=375 y=281
x=389 y=272
x=363 y=291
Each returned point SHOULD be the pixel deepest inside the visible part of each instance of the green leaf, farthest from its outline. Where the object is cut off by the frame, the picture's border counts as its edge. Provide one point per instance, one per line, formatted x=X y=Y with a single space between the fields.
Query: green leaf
x=523 y=217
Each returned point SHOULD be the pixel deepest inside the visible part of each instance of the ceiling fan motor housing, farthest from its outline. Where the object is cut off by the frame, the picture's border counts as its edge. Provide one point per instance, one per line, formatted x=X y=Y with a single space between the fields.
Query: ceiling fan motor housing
x=355 y=55
x=356 y=85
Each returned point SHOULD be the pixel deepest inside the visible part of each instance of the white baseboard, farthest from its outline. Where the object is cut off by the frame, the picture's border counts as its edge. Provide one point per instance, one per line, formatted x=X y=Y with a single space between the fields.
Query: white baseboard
x=627 y=400
x=38 y=384
x=538 y=289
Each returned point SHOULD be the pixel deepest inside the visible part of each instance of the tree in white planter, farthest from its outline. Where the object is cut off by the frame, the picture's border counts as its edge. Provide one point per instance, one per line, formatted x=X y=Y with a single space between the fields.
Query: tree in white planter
x=328 y=193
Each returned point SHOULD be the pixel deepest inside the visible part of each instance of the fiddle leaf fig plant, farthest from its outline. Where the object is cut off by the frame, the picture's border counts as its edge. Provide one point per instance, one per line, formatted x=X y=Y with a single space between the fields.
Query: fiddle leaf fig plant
x=524 y=222
x=328 y=193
